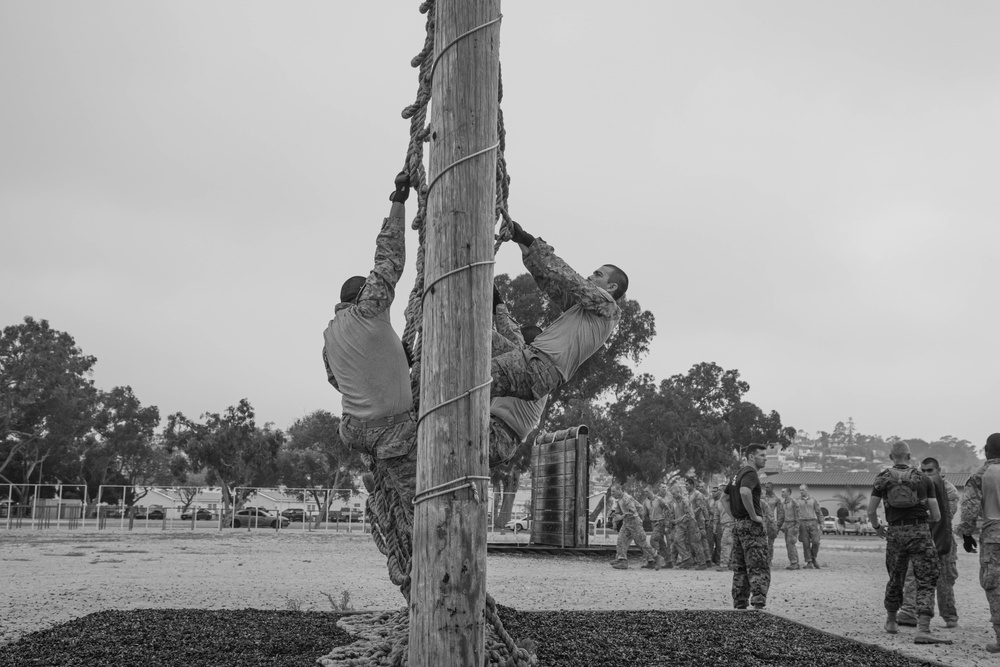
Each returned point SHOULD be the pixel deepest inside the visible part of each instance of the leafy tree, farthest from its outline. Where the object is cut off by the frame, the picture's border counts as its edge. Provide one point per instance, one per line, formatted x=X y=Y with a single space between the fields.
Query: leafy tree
x=692 y=422
x=953 y=454
x=315 y=459
x=233 y=450
x=124 y=450
x=851 y=500
x=46 y=400
x=606 y=371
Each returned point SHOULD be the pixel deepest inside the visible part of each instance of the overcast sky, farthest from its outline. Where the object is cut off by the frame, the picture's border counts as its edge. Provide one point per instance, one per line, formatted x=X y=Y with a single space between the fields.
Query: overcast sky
x=806 y=192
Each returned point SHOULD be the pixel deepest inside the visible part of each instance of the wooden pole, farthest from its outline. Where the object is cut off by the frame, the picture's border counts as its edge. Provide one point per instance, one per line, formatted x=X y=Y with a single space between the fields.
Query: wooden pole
x=448 y=585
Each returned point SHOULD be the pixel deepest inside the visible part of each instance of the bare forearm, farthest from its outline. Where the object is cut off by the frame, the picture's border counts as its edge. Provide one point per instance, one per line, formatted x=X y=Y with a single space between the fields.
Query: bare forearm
x=746 y=495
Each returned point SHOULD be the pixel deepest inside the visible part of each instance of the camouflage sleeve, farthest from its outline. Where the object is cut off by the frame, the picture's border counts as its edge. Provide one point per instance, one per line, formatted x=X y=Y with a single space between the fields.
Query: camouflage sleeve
x=329 y=373
x=796 y=512
x=686 y=509
x=952 y=496
x=779 y=511
x=501 y=345
x=390 y=256
x=506 y=326
x=565 y=286
x=972 y=504
x=877 y=487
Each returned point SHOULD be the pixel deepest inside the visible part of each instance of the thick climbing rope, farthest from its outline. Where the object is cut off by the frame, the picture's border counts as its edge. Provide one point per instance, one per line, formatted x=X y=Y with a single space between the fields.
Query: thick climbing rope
x=383 y=637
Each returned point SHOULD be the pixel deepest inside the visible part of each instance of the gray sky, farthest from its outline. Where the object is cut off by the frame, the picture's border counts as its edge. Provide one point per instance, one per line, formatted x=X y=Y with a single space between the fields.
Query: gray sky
x=804 y=191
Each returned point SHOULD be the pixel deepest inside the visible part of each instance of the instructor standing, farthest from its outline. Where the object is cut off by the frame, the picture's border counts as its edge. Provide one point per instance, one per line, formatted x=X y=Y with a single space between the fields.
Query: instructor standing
x=750 y=564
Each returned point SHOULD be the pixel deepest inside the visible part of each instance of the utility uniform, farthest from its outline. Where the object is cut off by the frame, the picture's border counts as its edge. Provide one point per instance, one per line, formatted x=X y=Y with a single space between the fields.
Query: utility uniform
x=909 y=539
x=713 y=529
x=982 y=499
x=686 y=535
x=788 y=521
x=750 y=564
x=726 y=524
x=511 y=419
x=631 y=530
x=809 y=529
x=944 y=542
x=365 y=361
x=657 y=510
x=700 y=506
x=589 y=317
x=769 y=503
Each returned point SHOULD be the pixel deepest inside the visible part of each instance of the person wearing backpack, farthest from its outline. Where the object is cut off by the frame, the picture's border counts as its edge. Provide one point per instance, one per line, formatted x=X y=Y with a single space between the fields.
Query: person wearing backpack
x=910 y=501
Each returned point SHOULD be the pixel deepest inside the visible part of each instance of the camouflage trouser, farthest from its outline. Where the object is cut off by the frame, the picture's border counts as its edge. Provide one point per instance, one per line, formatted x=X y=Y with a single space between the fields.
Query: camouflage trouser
x=791 y=531
x=947 y=610
x=392 y=450
x=632 y=532
x=771 y=530
x=726 y=545
x=659 y=541
x=751 y=568
x=714 y=533
x=688 y=541
x=503 y=442
x=989 y=577
x=703 y=532
x=523 y=373
x=809 y=533
x=905 y=545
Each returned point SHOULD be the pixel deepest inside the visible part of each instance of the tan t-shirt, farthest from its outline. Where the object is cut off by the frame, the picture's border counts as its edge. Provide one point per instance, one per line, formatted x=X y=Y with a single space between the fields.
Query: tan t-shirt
x=521 y=416
x=574 y=337
x=368 y=362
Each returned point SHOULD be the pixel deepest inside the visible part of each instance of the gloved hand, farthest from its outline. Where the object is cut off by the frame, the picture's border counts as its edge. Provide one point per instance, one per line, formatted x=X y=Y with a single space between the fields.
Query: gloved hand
x=497 y=299
x=521 y=236
x=402 y=190
x=969 y=543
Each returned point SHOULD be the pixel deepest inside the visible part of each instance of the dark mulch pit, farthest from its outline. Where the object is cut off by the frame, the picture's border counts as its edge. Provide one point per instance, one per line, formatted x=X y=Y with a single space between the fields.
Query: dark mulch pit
x=252 y=638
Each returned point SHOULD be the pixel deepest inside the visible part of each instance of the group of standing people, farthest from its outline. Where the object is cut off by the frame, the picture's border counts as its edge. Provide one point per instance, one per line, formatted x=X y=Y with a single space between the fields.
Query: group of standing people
x=681 y=521
x=921 y=550
x=921 y=547
x=693 y=529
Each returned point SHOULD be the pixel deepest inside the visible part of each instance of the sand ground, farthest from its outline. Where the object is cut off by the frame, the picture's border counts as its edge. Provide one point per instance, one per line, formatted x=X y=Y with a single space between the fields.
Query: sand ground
x=50 y=577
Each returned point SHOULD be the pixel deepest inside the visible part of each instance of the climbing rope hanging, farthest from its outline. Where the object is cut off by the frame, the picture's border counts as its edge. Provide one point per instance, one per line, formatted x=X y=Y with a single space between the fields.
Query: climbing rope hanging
x=384 y=636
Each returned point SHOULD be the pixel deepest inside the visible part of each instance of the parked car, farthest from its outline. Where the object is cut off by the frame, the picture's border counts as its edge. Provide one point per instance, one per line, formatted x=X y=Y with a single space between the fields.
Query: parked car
x=199 y=515
x=829 y=525
x=151 y=514
x=254 y=517
x=295 y=514
x=348 y=515
x=519 y=524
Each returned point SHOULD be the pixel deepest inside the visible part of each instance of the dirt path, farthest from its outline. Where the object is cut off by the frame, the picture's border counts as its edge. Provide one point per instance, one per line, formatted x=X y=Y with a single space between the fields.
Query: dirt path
x=50 y=578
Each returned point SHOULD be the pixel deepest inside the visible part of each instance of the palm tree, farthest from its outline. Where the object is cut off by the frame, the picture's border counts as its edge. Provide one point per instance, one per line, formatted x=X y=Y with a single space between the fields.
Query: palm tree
x=852 y=501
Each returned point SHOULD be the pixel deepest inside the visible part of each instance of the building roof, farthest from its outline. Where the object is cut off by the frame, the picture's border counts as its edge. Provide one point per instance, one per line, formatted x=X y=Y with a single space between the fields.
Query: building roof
x=841 y=479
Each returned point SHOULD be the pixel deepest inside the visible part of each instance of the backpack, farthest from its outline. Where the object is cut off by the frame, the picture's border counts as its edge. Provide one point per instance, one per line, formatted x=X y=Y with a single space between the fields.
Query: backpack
x=902 y=490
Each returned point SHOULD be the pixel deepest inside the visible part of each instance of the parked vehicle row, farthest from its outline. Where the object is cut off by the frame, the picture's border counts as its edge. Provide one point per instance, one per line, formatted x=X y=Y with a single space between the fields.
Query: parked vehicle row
x=248 y=517
x=850 y=526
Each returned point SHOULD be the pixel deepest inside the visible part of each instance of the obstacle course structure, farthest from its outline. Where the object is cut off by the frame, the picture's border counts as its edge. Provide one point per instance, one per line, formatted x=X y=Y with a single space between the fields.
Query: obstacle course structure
x=560 y=483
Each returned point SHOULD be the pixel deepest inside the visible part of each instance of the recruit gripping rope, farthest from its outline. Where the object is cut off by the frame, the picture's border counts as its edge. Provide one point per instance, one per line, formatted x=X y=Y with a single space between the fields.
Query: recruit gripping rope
x=384 y=637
